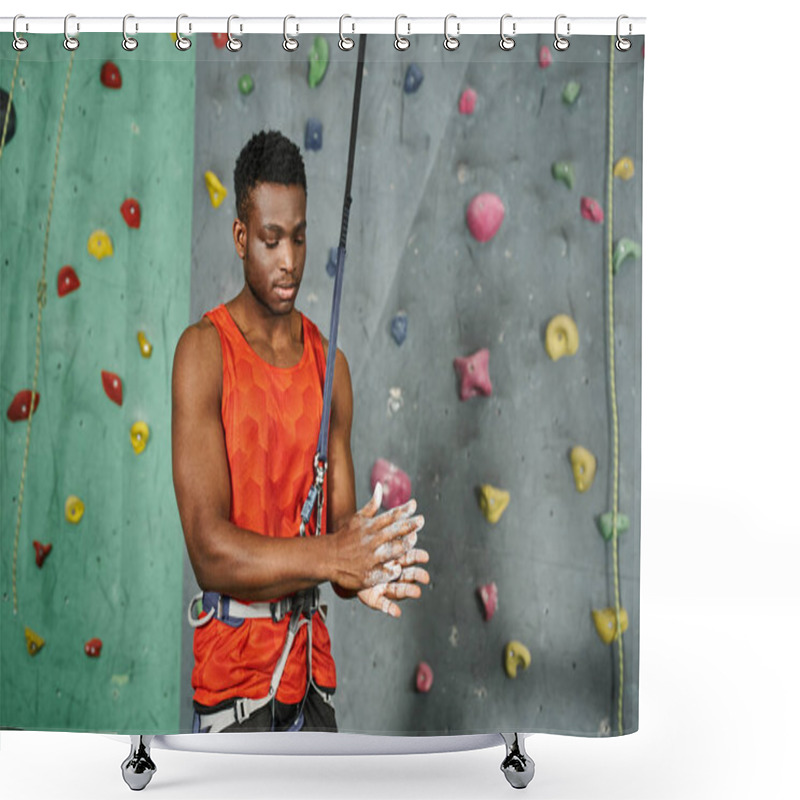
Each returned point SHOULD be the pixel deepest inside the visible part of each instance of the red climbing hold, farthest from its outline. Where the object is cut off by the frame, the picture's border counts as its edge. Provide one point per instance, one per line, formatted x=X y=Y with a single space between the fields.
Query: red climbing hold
x=488 y=595
x=113 y=386
x=67 y=280
x=485 y=214
x=21 y=405
x=474 y=373
x=42 y=551
x=466 y=105
x=220 y=39
x=110 y=76
x=131 y=212
x=92 y=648
x=590 y=209
x=545 y=57
x=424 y=677
x=396 y=484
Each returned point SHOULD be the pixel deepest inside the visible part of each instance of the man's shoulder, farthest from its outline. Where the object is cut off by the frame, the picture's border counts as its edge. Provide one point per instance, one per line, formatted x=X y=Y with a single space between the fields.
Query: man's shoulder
x=199 y=341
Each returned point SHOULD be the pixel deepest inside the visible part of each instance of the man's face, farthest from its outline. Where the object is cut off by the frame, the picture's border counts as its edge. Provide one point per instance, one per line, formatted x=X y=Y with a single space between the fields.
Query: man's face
x=272 y=244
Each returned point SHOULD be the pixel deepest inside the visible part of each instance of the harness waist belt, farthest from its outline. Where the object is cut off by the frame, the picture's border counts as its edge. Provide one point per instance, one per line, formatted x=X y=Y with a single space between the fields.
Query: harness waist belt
x=230 y=611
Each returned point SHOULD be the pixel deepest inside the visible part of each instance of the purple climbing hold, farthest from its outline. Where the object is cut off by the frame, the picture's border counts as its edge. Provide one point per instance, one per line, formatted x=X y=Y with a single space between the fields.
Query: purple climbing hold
x=413 y=79
x=474 y=374
x=333 y=258
x=396 y=483
x=485 y=214
x=313 y=134
x=400 y=327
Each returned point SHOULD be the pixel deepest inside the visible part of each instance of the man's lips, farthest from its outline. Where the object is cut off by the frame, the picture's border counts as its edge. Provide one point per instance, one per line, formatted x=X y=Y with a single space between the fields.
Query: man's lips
x=286 y=291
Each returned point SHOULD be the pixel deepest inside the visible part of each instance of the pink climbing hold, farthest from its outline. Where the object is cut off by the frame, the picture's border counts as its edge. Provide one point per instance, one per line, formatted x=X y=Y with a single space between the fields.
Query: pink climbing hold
x=488 y=595
x=545 y=56
x=424 y=677
x=590 y=209
x=466 y=105
x=396 y=484
x=485 y=216
x=474 y=373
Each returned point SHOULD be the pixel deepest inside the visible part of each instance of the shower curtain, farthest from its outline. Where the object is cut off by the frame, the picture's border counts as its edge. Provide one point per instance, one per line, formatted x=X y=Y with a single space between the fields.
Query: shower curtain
x=491 y=318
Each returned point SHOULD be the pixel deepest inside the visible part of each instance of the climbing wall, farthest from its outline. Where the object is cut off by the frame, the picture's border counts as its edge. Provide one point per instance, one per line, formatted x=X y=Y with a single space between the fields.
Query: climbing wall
x=480 y=216
x=90 y=629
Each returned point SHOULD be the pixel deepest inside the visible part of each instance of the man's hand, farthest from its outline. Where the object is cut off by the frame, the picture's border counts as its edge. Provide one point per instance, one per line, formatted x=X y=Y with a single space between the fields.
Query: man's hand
x=381 y=595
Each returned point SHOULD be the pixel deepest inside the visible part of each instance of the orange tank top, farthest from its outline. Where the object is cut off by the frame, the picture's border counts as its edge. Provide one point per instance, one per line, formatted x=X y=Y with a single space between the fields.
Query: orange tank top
x=271 y=416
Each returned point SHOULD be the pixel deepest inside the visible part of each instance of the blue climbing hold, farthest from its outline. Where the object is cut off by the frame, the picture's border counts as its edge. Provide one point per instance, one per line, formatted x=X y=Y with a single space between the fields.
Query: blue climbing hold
x=333 y=258
x=313 y=134
x=400 y=327
x=413 y=79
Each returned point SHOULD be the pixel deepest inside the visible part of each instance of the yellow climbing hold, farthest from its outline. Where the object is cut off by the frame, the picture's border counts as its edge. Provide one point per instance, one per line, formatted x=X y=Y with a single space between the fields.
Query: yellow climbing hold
x=493 y=502
x=624 y=169
x=516 y=656
x=174 y=37
x=99 y=245
x=216 y=191
x=584 y=466
x=34 y=641
x=73 y=509
x=144 y=345
x=605 y=620
x=140 y=433
x=561 y=337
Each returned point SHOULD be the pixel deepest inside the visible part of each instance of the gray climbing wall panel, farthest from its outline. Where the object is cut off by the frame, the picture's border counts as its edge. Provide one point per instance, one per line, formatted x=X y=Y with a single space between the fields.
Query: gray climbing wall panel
x=419 y=163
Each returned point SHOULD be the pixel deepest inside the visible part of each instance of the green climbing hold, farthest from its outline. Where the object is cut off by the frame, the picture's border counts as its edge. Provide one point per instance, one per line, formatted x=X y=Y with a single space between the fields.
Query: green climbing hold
x=317 y=61
x=626 y=248
x=562 y=171
x=606 y=524
x=571 y=92
x=245 y=84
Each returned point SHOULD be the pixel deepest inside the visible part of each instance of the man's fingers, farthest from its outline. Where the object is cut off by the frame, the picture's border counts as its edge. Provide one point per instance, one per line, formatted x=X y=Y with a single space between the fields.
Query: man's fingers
x=414 y=557
x=376 y=598
x=371 y=508
x=414 y=575
x=395 y=514
x=401 y=591
x=397 y=546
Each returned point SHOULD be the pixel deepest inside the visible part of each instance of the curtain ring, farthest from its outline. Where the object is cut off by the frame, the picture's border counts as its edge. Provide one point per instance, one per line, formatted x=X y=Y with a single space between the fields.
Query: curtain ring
x=507 y=42
x=181 y=42
x=70 y=42
x=19 y=43
x=233 y=44
x=345 y=43
x=289 y=44
x=623 y=44
x=401 y=43
x=128 y=42
x=451 y=42
x=561 y=43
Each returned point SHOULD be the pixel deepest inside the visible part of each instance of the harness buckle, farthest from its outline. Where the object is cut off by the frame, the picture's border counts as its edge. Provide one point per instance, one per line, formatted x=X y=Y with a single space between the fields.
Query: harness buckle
x=239 y=710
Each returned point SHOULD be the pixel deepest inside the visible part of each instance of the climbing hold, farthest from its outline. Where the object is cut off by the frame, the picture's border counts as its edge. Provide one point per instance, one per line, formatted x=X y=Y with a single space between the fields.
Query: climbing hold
x=590 y=209
x=584 y=466
x=7 y=110
x=317 y=61
x=110 y=75
x=493 y=502
x=563 y=171
x=333 y=258
x=545 y=56
x=131 y=212
x=624 y=168
x=400 y=327
x=216 y=191
x=92 y=648
x=626 y=248
x=516 y=656
x=246 y=84
x=113 y=386
x=605 y=620
x=313 y=134
x=606 y=524
x=99 y=245
x=474 y=373
x=140 y=433
x=571 y=92
x=395 y=401
x=73 y=509
x=42 y=551
x=396 y=483
x=173 y=36
x=485 y=214
x=67 y=280
x=424 y=677
x=466 y=105
x=19 y=409
x=33 y=641
x=488 y=595
x=220 y=40
x=144 y=345
x=413 y=79
x=561 y=337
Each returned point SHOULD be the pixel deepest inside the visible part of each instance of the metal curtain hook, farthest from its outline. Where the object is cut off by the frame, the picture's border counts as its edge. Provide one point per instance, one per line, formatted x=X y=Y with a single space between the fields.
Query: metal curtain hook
x=19 y=44
x=561 y=43
x=289 y=44
x=400 y=42
x=451 y=42
x=507 y=42
x=233 y=44
x=623 y=44
x=345 y=43
x=181 y=42
x=128 y=42
x=70 y=43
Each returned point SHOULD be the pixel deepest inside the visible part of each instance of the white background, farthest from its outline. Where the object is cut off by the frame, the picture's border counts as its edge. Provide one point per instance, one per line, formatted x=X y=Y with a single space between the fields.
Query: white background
x=719 y=688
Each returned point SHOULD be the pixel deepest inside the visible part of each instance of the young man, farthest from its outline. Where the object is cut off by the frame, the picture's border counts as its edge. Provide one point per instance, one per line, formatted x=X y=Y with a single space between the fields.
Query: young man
x=246 y=410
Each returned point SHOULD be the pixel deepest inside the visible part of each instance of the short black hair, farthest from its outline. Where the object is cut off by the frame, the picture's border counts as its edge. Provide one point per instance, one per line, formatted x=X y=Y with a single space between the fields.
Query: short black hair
x=269 y=157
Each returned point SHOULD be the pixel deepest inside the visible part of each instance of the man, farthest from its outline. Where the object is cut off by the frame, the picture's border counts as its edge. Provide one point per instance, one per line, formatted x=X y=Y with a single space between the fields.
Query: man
x=246 y=410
